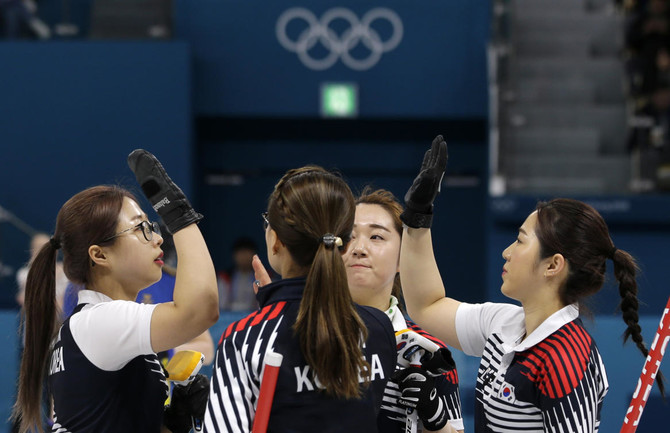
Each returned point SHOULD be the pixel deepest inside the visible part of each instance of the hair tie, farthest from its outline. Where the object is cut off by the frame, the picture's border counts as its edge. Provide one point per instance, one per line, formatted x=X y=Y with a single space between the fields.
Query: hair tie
x=612 y=251
x=330 y=240
x=55 y=243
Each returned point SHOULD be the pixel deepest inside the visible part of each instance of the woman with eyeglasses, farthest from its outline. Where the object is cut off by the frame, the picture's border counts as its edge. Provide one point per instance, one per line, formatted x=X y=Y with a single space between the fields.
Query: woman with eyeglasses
x=101 y=365
x=337 y=357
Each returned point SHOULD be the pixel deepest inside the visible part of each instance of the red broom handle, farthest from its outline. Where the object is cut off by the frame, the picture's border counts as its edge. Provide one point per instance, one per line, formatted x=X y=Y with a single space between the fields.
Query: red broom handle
x=649 y=372
x=273 y=361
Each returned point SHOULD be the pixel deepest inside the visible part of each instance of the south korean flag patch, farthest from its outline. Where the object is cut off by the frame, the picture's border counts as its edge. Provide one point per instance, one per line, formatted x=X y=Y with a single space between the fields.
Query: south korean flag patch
x=506 y=393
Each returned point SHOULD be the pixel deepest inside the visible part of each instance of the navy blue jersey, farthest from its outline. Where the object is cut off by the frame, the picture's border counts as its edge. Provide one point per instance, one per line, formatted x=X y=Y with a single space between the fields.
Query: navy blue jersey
x=299 y=405
x=89 y=399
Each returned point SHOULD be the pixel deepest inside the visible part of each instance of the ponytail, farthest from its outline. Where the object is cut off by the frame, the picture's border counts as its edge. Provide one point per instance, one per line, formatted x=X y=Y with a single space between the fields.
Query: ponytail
x=82 y=221
x=578 y=232
x=312 y=211
x=329 y=328
x=624 y=271
x=40 y=328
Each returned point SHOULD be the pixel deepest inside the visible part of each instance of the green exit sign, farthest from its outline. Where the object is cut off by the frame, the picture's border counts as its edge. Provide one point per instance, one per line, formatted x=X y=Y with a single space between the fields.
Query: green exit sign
x=339 y=100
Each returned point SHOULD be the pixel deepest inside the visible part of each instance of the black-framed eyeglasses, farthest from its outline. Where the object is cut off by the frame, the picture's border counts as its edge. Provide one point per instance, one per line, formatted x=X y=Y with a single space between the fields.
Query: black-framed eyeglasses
x=148 y=229
x=266 y=223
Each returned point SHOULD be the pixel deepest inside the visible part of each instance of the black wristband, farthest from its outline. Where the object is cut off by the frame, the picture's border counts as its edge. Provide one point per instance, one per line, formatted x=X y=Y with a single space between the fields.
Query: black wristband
x=416 y=220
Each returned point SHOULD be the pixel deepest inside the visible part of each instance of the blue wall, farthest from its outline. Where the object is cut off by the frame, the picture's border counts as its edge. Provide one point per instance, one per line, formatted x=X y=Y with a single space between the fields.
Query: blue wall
x=71 y=113
x=9 y=338
x=438 y=69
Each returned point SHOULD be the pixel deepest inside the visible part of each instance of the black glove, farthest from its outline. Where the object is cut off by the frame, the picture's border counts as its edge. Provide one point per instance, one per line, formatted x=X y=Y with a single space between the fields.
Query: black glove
x=417 y=388
x=167 y=199
x=438 y=362
x=187 y=402
x=420 y=196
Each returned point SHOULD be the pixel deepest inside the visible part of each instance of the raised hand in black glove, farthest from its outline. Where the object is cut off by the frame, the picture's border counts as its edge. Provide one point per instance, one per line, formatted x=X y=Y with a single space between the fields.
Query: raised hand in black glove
x=417 y=388
x=187 y=405
x=419 y=199
x=167 y=199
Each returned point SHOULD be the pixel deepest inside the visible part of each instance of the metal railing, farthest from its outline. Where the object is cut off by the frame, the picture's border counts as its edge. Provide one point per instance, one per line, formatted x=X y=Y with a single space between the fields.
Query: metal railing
x=498 y=52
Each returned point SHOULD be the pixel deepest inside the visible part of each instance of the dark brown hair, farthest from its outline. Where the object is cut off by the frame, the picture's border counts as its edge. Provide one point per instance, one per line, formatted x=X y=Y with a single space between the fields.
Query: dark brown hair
x=578 y=232
x=84 y=220
x=306 y=204
x=392 y=206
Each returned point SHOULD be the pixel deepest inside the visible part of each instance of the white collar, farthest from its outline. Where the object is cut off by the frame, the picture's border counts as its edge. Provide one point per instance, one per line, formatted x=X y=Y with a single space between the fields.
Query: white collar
x=395 y=314
x=513 y=332
x=393 y=306
x=92 y=297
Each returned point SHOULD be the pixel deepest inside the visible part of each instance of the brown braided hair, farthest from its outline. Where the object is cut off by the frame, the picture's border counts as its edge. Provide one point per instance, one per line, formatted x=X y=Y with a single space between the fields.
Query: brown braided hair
x=306 y=204
x=578 y=232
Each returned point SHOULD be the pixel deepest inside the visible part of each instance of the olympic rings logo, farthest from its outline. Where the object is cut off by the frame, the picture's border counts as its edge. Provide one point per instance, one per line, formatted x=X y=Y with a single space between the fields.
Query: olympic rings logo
x=339 y=46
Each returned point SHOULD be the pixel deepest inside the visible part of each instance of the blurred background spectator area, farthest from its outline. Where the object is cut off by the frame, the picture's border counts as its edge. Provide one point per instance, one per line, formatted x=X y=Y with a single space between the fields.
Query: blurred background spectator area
x=646 y=59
